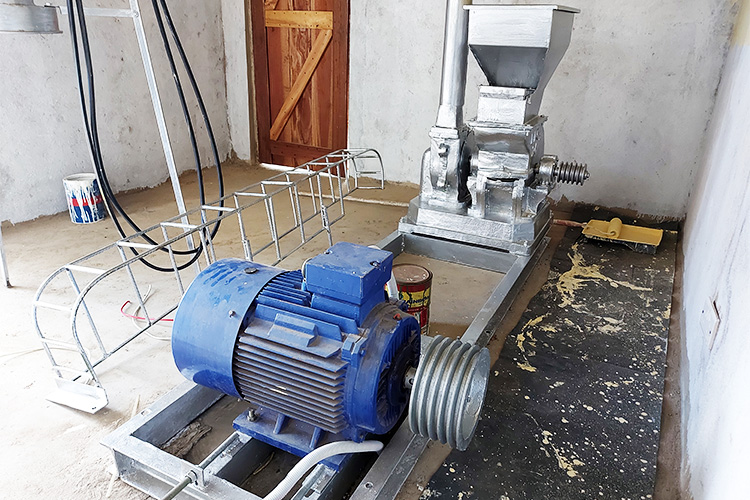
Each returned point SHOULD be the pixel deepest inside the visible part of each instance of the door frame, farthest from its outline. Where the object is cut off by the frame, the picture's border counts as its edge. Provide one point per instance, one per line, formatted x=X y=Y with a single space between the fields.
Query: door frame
x=258 y=85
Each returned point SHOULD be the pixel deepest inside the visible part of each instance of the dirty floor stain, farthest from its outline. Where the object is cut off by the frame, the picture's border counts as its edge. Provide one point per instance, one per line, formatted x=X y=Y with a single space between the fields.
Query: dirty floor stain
x=574 y=405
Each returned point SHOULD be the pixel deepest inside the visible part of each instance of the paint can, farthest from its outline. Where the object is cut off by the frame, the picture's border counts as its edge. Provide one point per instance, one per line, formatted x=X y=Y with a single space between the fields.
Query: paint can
x=85 y=202
x=415 y=287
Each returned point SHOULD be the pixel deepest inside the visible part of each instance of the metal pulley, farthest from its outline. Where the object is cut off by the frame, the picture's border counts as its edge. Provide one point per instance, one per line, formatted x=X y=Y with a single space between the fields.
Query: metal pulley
x=448 y=390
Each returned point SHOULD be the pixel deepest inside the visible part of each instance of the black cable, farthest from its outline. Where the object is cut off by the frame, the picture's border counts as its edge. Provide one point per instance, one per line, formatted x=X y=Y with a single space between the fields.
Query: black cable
x=89 y=116
x=186 y=114
x=94 y=132
x=183 y=102
x=100 y=161
x=92 y=128
x=198 y=96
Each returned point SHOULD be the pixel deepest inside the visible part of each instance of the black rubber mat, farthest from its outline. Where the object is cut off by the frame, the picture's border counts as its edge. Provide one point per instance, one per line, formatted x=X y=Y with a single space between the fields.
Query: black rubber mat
x=574 y=403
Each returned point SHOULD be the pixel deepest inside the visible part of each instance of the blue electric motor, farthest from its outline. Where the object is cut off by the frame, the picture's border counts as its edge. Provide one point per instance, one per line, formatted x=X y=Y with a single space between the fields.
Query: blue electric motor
x=321 y=353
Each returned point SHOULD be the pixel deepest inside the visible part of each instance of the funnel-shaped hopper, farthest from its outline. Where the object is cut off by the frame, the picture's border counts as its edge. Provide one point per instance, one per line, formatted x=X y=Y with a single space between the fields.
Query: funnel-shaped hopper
x=519 y=45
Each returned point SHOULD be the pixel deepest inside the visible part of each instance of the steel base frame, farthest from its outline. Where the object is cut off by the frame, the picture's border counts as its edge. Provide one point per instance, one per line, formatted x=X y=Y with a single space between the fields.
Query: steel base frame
x=142 y=464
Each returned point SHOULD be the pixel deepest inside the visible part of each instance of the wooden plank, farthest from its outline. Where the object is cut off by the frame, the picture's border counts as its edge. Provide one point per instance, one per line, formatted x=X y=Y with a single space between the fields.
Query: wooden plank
x=309 y=19
x=291 y=57
x=319 y=47
x=321 y=88
x=340 y=49
x=260 y=64
x=252 y=94
x=299 y=127
x=302 y=153
x=271 y=4
x=278 y=71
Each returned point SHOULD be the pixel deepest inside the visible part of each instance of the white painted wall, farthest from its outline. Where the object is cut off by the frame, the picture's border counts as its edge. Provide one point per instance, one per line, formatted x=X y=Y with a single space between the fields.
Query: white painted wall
x=716 y=382
x=41 y=132
x=632 y=96
x=235 y=48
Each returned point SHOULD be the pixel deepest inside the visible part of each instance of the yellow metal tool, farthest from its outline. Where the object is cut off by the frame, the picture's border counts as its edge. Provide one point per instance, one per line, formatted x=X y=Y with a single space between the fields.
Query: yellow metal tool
x=639 y=239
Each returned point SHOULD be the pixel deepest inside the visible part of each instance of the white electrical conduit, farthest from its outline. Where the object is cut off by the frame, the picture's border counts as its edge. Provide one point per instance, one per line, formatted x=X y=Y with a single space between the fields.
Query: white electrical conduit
x=315 y=456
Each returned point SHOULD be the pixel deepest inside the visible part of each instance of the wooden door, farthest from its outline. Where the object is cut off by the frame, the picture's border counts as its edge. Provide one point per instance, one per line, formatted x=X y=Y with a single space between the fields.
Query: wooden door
x=301 y=55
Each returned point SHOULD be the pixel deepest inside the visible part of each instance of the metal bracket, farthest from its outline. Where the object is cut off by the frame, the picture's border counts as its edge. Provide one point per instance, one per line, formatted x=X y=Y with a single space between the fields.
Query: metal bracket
x=78 y=395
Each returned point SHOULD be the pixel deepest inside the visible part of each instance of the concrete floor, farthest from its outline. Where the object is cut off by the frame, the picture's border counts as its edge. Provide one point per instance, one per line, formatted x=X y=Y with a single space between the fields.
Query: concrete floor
x=51 y=450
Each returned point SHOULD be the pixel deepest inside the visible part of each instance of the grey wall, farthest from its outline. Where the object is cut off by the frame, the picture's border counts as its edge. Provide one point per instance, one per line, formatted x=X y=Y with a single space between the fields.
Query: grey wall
x=41 y=133
x=235 y=48
x=715 y=379
x=631 y=98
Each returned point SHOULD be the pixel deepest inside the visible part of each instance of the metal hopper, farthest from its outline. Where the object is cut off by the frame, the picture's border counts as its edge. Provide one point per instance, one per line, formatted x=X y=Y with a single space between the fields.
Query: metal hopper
x=519 y=45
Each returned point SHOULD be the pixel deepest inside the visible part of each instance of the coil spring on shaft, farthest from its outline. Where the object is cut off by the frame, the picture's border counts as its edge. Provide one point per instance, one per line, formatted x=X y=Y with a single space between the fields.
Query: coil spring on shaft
x=572 y=172
x=448 y=391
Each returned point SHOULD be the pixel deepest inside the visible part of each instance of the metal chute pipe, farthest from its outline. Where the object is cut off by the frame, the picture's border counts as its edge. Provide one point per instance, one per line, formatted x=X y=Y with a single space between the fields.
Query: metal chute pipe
x=315 y=456
x=455 y=58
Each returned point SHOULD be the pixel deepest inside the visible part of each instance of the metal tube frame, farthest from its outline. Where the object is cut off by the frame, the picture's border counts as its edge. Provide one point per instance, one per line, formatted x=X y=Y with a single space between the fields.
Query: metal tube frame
x=151 y=470
x=77 y=392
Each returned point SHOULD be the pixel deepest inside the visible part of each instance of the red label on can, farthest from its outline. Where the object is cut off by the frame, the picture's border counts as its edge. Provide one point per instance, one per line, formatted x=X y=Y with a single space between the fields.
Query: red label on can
x=415 y=287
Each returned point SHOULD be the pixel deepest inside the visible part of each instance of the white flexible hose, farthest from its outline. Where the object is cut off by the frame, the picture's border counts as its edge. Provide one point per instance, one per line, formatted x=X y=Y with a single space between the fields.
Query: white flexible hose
x=315 y=456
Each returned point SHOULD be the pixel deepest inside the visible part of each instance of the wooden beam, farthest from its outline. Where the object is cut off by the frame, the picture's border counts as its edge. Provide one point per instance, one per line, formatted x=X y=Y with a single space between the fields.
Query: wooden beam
x=310 y=19
x=295 y=150
x=340 y=53
x=308 y=68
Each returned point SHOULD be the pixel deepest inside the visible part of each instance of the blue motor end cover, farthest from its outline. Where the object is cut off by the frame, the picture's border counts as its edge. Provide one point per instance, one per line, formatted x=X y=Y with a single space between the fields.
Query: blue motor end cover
x=212 y=312
x=377 y=396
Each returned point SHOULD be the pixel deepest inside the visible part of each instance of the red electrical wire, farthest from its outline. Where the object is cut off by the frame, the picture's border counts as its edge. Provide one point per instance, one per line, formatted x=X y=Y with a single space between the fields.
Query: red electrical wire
x=122 y=311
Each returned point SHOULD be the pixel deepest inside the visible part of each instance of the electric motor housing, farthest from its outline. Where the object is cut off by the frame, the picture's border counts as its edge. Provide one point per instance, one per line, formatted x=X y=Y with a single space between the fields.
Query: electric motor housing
x=321 y=353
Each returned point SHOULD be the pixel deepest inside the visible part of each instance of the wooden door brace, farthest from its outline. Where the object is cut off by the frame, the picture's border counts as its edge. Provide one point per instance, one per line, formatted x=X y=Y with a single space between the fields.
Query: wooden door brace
x=299 y=19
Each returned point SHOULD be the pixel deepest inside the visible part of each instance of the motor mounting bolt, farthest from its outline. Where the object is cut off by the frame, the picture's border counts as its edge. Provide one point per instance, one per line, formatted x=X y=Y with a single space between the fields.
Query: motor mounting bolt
x=252 y=415
x=251 y=270
x=232 y=313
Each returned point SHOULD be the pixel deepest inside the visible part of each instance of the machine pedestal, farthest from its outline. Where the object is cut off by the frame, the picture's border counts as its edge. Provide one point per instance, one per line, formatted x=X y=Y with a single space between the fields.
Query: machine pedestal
x=520 y=236
x=290 y=435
